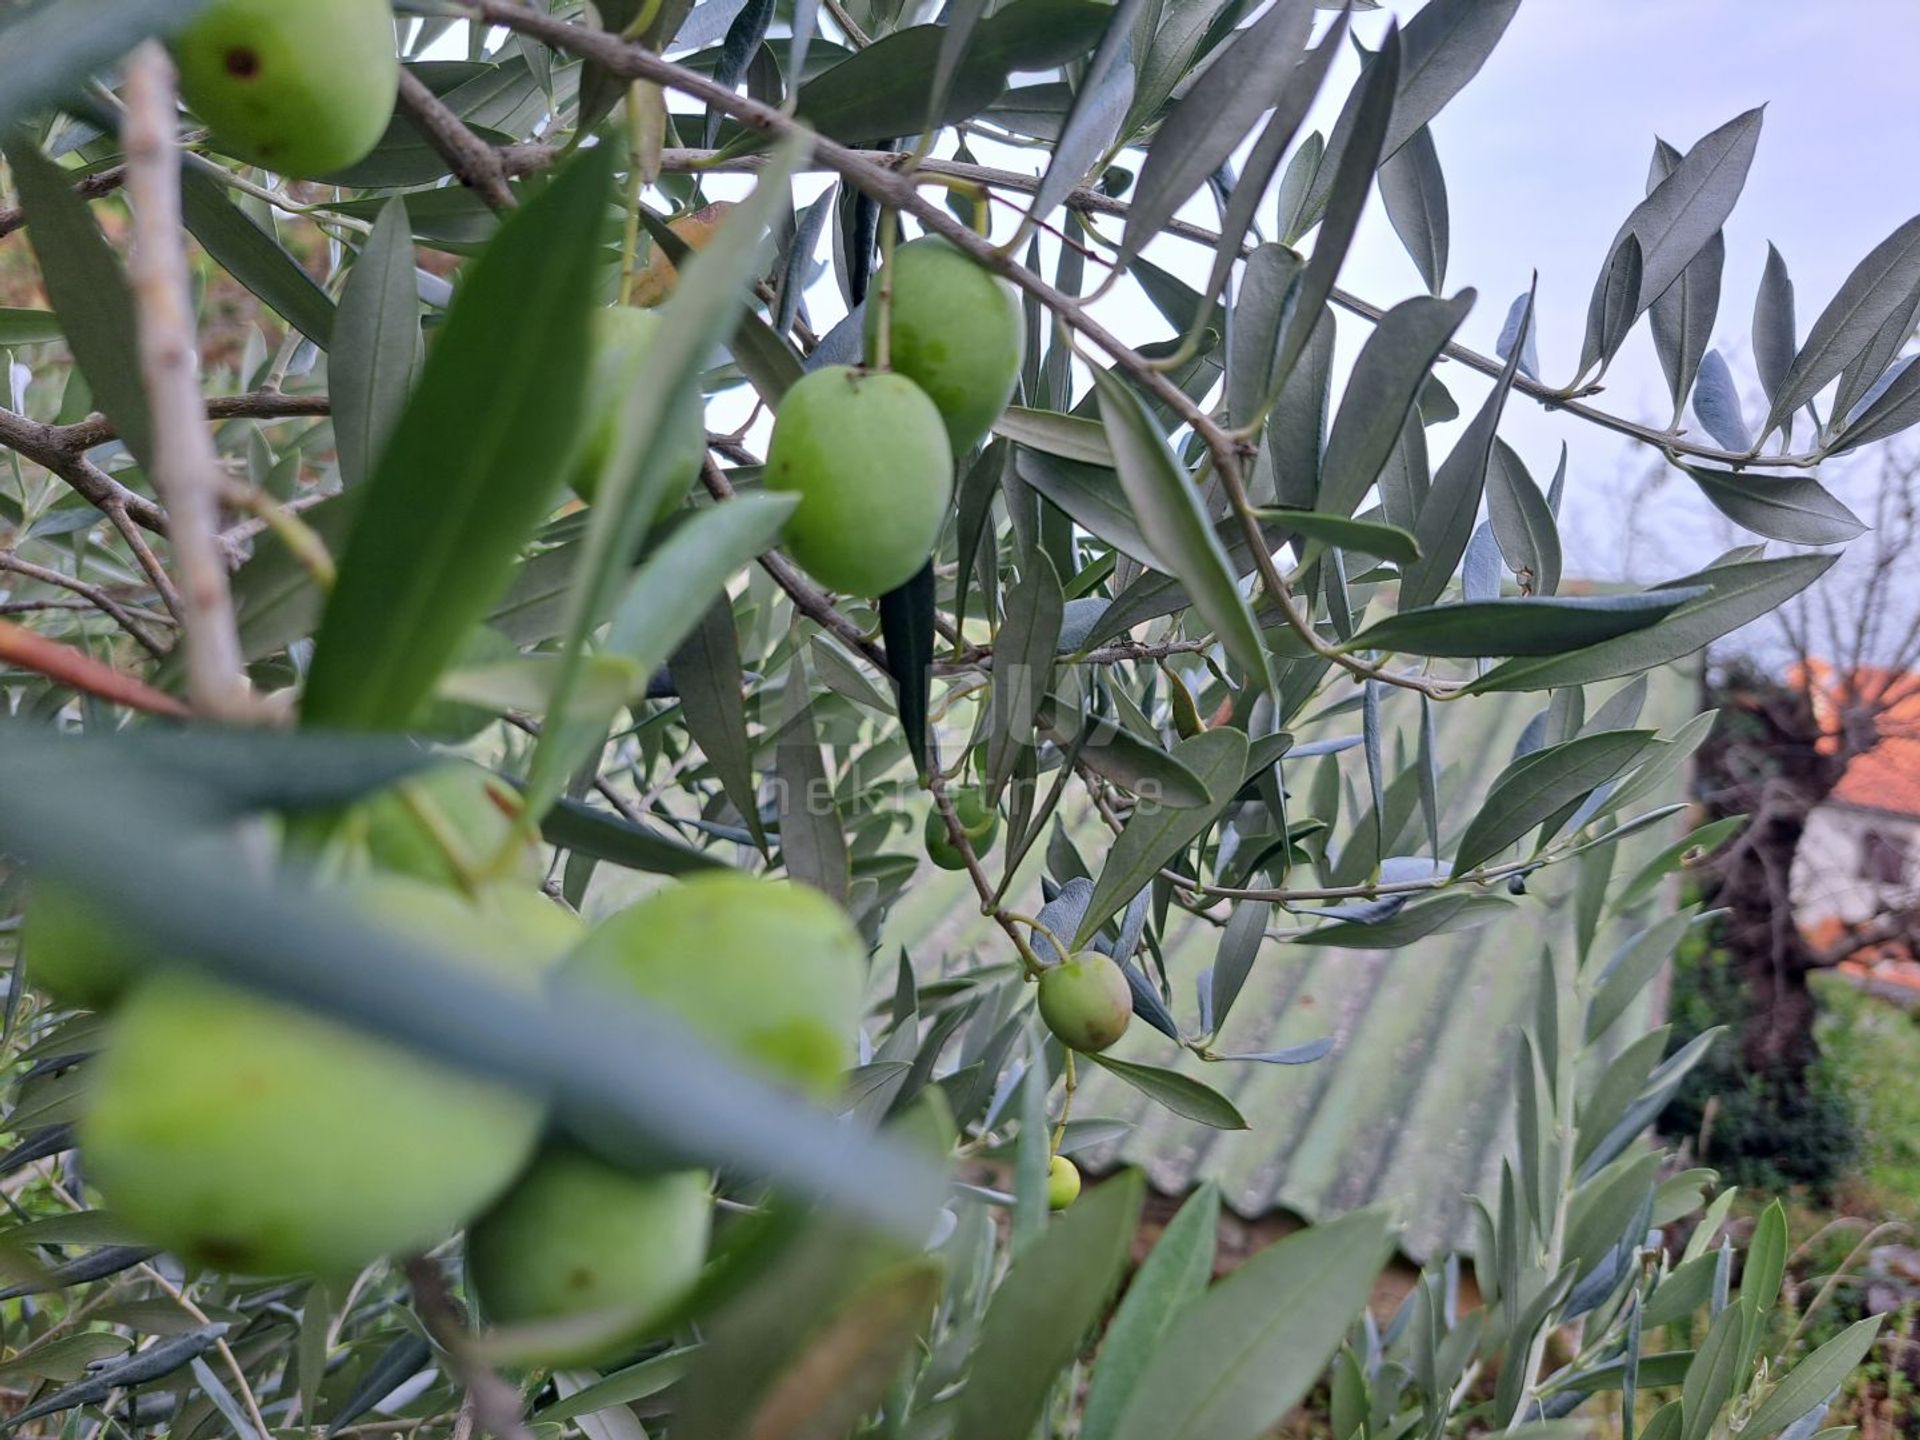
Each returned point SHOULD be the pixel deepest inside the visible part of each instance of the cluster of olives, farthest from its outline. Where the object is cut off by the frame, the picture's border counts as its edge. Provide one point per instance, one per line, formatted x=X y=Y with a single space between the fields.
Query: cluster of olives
x=251 y=1136
x=302 y=89
x=1087 y=1005
x=871 y=452
x=308 y=90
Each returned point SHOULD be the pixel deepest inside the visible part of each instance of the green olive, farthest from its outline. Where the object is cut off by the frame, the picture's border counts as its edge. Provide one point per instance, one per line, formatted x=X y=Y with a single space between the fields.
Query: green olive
x=770 y=970
x=1086 y=1001
x=301 y=87
x=868 y=456
x=447 y=824
x=977 y=818
x=624 y=337
x=73 y=952
x=957 y=332
x=586 y=1255
x=1063 y=1183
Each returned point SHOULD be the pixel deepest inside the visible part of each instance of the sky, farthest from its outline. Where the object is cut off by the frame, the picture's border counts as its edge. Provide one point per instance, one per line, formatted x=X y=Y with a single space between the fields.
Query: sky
x=1546 y=151
x=1544 y=154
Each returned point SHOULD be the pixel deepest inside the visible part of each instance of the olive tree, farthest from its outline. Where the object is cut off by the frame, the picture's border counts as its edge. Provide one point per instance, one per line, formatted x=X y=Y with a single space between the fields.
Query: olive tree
x=665 y=495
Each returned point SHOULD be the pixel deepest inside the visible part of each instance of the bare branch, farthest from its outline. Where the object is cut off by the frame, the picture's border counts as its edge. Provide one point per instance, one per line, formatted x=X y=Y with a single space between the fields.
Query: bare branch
x=43 y=445
x=809 y=599
x=474 y=161
x=522 y=159
x=92 y=595
x=257 y=405
x=186 y=470
x=1894 y=924
x=90 y=188
x=149 y=562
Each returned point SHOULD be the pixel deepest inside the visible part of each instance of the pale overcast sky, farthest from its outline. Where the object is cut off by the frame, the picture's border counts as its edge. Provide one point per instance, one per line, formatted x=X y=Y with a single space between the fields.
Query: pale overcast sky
x=1546 y=151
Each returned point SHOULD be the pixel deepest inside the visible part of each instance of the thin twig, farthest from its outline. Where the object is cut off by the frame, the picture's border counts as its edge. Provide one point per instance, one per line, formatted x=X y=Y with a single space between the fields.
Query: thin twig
x=526 y=158
x=255 y=405
x=477 y=164
x=627 y=811
x=92 y=187
x=89 y=594
x=186 y=470
x=857 y=37
x=149 y=562
x=493 y=1404
x=983 y=887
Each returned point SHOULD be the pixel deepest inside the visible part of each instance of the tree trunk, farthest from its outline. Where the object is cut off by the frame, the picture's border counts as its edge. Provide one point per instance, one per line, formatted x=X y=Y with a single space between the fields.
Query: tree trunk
x=1764 y=760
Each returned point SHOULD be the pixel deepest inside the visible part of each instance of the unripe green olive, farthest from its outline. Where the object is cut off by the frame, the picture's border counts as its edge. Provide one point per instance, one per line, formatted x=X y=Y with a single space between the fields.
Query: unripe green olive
x=623 y=338
x=957 y=332
x=302 y=87
x=254 y=1136
x=1086 y=1001
x=446 y=824
x=867 y=454
x=979 y=819
x=767 y=969
x=1063 y=1183
x=587 y=1255
x=74 y=953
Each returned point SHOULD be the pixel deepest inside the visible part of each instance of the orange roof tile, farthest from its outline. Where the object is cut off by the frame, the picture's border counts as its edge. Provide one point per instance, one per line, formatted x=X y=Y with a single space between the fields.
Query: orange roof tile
x=1887 y=777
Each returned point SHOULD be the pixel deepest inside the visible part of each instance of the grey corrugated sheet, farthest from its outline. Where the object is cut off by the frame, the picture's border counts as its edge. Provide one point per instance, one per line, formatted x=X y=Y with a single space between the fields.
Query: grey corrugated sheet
x=1413 y=1108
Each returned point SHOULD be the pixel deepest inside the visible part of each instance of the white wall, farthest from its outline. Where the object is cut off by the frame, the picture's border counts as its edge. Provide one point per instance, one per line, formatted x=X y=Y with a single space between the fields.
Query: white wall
x=1828 y=878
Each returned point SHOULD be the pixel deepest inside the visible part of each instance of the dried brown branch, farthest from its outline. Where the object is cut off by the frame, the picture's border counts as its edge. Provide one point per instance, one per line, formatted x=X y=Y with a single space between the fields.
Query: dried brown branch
x=80 y=671
x=186 y=470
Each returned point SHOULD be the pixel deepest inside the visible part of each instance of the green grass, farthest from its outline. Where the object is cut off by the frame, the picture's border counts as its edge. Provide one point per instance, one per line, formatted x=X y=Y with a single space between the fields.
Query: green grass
x=1874 y=1050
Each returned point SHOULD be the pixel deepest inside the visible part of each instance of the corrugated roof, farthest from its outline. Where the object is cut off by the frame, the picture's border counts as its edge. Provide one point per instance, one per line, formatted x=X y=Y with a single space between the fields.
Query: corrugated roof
x=1414 y=1105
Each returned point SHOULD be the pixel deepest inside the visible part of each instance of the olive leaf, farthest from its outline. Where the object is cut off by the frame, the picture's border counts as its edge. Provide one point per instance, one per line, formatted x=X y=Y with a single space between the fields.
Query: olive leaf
x=449 y=506
x=1156 y=833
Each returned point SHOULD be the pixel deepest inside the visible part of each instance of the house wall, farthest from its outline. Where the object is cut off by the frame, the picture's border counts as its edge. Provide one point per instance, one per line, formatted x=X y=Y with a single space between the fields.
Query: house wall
x=1836 y=873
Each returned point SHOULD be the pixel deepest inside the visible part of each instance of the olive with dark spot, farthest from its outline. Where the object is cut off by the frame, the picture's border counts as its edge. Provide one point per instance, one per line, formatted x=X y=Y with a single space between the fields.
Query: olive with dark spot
x=303 y=87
